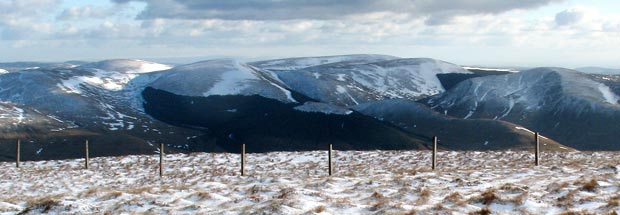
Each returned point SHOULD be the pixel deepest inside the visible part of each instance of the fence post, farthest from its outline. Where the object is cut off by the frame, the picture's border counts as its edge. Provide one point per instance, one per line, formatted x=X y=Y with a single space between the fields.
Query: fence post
x=86 y=155
x=434 y=164
x=161 y=159
x=537 y=152
x=329 y=160
x=242 y=159
x=17 y=153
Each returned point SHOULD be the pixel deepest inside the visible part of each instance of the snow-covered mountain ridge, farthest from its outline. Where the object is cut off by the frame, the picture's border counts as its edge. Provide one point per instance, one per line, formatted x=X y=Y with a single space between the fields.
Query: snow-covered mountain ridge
x=199 y=106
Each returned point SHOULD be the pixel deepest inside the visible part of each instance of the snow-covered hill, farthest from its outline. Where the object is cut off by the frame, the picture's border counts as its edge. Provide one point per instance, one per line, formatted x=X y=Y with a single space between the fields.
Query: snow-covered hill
x=110 y=75
x=349 y=84
x=552 y=100
x=65 y=105
x=375 y=182
x=220 y=77
x=297 y=103
x=528 y=91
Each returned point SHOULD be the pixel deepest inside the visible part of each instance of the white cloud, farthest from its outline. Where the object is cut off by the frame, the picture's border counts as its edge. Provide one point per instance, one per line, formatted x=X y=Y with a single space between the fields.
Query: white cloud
x=569 y=16
x=437 y=11
x=469 y=35
x=85 y=12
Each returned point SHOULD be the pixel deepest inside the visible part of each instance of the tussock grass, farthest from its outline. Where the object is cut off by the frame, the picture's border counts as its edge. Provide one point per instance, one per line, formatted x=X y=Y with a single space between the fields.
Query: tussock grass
x=377 y=182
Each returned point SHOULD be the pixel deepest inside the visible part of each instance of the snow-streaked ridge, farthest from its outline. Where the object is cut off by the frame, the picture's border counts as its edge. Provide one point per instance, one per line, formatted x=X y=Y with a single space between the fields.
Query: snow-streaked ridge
x=610 y=97
x=323 y=108
x=351 y=84
x=110 y=75
x=490 y=69
x=220 y=77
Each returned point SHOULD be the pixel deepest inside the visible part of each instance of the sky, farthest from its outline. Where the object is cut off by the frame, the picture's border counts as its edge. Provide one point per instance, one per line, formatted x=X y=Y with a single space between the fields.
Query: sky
x=527 y=33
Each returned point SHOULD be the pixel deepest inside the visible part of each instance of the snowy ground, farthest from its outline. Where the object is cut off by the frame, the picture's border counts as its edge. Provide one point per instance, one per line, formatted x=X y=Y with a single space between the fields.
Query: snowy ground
x=376 y=182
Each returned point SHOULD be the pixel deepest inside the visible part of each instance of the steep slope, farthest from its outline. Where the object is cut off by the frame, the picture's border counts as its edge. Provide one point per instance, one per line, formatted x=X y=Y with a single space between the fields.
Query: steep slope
x=219 y=77
x=455 y=133
x=266 y=124
x=348 y=84
x=449 y=80
x=613 y=81
x=84 y=102
x=563 y=104
x=236 y=103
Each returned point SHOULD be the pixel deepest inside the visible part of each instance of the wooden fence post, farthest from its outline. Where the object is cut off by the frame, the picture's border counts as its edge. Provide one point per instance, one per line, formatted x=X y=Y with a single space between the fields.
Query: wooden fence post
x=17 y=153
x=537 y=152
x=86 y=155
x=161 y=159
x=329 y=160
x=242 y=159
x=434 y=152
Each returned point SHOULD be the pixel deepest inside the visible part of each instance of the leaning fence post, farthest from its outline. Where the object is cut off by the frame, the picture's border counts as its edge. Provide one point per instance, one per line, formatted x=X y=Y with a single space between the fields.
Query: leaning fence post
x=434 y=152
x=537 y=152
x=243 y=160
x=17 y=153
x=86 y=155
x=329 y=160
x=161 y=159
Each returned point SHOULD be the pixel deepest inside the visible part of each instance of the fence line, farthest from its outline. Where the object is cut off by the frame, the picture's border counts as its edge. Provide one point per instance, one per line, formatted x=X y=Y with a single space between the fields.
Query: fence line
x=243 y=159
x=330 y=161
x=86 y=155
x=161 y=159
x=17 y=152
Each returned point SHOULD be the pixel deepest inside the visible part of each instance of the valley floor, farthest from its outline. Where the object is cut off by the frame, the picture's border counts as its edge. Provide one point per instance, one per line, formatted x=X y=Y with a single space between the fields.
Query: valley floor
x=373 y=182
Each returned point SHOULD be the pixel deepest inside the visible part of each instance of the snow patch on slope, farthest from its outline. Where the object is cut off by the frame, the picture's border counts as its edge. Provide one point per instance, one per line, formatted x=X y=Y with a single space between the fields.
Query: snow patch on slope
x=232 y=82
x=221 y=77
x=323 y=108
x=347 y=84
x=110 y=75
x=610 y=97
x=490 y=69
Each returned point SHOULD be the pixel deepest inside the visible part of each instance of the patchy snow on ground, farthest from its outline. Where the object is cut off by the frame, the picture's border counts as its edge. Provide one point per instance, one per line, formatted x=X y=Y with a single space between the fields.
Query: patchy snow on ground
x=374 y=182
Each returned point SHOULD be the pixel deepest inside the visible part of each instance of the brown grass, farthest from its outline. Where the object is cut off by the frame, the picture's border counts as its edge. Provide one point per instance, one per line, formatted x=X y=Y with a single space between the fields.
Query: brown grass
x=484 y=211
x=590 y=186
x=575 y=213
x=557 y=187
x=614 y=201
x=567 y=200
x=285 y=193
x=319 y=209
x=377 y=206
x=45 y=205
x=110 y=195
x=453 y=197
x=509 y=187
x=425 y=194
x=377 y=195
x=200 y=195
x=487 y=197
x=519 y=199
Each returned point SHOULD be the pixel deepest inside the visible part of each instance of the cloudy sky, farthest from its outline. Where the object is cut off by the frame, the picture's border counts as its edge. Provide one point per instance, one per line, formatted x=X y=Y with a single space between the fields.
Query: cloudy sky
x=468 y=32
